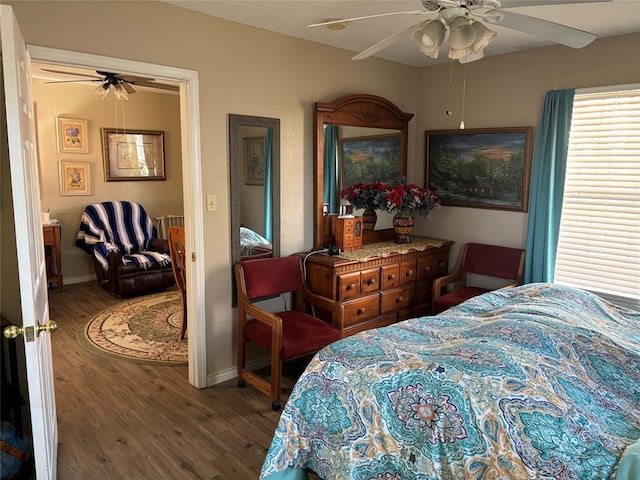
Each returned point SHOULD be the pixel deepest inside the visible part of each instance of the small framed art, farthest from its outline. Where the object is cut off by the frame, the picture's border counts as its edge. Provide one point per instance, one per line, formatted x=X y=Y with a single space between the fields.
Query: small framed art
x=133 y=155
x=254 y=160
x=74 y=178
x=72 y=135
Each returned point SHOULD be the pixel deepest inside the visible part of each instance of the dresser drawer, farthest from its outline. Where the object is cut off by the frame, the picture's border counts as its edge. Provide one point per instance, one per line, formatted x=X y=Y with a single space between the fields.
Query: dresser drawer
x=433 y=266
x=357 y=311
x=370 y=281
x=390 y=275
x=393 y=300
x=407 y=273
x=348 y=285
x=381 y=321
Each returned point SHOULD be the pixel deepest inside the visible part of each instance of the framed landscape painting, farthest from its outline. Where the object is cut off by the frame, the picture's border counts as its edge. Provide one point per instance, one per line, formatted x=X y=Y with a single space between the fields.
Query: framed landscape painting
x=370 y=159
x=482 y=168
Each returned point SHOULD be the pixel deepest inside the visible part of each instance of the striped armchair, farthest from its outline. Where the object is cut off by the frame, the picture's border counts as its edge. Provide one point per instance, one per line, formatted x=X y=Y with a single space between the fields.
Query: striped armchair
x=129 y=258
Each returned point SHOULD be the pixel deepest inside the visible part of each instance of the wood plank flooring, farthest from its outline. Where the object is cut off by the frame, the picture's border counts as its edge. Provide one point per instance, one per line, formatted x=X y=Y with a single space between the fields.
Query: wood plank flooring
x=122 y=420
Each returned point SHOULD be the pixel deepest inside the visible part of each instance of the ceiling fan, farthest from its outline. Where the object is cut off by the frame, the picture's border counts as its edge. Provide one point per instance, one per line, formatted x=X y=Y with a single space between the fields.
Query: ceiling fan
x=122 y=85
x=463 y=21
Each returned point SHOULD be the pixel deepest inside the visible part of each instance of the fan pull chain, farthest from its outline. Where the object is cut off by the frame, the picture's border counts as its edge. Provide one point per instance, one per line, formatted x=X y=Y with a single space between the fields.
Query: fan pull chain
x=448 y=111
x=115 y=100
x=464 y=94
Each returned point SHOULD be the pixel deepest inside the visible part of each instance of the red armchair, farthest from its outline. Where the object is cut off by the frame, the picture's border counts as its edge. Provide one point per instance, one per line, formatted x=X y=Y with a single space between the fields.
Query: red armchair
x=287 y=334
x=489 y=260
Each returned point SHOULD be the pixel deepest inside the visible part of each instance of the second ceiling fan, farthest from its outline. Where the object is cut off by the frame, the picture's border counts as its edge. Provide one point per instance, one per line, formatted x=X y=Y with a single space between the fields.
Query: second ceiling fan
x=122 y=85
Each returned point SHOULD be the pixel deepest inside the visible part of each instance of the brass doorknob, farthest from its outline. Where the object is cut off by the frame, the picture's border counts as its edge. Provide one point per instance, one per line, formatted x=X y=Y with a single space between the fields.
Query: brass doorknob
x=50 y=327
x=13 y=332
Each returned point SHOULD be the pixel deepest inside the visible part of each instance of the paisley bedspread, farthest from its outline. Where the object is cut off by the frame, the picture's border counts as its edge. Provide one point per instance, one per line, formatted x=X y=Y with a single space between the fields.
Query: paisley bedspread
x=539 y=381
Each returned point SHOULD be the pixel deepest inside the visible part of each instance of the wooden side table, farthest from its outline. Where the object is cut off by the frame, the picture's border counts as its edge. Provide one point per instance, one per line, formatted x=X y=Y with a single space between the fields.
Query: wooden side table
x=51 y=235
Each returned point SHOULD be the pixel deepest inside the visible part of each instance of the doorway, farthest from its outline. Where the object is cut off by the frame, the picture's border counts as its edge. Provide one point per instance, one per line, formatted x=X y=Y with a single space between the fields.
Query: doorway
x=192 y=198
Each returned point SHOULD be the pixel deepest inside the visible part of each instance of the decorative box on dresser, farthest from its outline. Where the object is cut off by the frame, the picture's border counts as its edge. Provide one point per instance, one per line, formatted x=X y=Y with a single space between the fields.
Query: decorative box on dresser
x=380 y=284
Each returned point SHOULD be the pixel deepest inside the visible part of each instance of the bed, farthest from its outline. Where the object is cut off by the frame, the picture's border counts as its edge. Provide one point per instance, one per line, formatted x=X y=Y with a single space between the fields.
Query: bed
x=253 y=245
x=539 y=381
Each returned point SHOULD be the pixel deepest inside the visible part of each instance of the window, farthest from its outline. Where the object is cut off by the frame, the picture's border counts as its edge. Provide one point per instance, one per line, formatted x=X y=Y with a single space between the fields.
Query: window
x=599 y=244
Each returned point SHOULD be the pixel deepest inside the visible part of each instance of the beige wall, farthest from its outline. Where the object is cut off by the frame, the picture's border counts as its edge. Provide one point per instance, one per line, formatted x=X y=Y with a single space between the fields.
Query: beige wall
x=242 y=70
x=248 y=71
x=145 y=111
x=508 y=90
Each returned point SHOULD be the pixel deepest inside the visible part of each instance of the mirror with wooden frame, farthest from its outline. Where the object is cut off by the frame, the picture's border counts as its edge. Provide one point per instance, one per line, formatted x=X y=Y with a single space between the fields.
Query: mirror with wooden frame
x=254 y=162
x=359 y=116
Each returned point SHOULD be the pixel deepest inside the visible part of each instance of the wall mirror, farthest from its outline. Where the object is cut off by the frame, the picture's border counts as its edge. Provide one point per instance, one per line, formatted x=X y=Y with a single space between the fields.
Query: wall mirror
x=361 y=117
x=254 y=160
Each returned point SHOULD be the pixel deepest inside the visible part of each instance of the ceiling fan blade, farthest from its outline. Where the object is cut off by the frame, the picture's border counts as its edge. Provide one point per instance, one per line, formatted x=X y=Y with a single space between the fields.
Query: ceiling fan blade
x=385 y=42
x=74 y=81
x=71 y=73
x=159 y=86
x=563 y=34
x=333 y=22
x=128 y=88
x=534 y=3
x=132 y=79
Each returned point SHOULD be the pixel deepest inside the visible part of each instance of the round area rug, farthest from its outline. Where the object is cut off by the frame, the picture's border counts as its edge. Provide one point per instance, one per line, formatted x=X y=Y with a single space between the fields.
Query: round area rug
x=143 y=329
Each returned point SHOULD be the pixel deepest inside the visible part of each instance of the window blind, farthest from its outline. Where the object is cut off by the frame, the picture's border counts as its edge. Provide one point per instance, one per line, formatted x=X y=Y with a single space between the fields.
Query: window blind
x=599 y=243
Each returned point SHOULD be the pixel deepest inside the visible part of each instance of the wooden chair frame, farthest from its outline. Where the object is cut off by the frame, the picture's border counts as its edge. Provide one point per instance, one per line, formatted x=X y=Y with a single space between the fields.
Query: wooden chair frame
x=246 y=308
x=175 y=237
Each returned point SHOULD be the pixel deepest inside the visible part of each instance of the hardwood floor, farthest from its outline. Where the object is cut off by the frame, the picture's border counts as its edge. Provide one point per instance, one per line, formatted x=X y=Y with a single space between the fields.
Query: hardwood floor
x=122 y=420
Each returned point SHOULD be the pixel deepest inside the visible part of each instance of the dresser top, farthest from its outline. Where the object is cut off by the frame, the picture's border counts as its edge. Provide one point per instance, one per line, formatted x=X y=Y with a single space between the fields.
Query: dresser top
x=382 y=250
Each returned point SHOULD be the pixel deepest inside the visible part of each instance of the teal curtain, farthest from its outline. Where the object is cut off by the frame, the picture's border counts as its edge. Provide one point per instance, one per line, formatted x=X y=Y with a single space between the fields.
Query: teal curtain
x=547 y=185
x=268 y=186
x=330 y=192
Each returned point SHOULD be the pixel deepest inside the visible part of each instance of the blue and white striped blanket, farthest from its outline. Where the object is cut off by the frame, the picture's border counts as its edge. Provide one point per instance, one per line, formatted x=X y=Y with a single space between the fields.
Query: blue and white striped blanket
x=123 y=227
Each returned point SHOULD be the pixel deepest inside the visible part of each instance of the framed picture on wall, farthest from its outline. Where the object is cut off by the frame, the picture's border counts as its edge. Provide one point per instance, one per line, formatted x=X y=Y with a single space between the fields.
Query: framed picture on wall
x=133 y=154
x=481 y=168
x=370 y=159
x=72 y=135
x=74 y=178
x=254 y=161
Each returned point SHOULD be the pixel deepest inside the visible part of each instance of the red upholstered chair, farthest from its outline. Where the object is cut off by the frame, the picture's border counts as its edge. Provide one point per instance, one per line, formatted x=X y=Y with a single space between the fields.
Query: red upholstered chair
x=488 y=260
x=287 y=334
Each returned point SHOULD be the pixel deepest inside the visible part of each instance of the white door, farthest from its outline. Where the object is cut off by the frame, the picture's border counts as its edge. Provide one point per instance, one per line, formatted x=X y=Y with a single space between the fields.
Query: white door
x=31 y=265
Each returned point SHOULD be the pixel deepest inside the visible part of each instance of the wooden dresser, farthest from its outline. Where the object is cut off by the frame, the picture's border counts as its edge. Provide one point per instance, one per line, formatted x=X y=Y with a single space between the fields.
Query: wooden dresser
x=380 y=284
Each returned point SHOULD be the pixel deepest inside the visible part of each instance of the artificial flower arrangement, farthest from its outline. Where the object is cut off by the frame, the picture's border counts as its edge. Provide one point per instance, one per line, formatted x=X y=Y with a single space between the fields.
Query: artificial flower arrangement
x=366 y=195
x=401 y=197
x=409 y=198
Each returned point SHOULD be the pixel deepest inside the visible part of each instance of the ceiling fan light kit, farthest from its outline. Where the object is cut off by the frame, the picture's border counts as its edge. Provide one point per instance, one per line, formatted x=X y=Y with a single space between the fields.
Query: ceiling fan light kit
x=430 y=38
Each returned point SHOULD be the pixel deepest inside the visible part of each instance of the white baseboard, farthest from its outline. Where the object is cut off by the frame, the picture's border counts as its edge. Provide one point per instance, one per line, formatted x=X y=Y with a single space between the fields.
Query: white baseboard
x=231 y=373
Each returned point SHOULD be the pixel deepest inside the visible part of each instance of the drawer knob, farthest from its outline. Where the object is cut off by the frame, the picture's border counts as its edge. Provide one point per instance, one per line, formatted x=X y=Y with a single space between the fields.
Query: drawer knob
x=361 y=311
x=399 y=299
x=351 y=286
x=409 y=273
x=441 y=263
x=371 y=281
x=427 y=268
x=391 y=276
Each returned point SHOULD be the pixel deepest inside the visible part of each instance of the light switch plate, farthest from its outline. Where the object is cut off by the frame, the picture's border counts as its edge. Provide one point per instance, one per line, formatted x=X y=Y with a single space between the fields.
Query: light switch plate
x=212 y=202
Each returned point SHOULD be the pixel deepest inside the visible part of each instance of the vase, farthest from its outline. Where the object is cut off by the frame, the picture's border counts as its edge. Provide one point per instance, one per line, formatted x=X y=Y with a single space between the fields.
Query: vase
x=403 y=223
x=369 y=218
